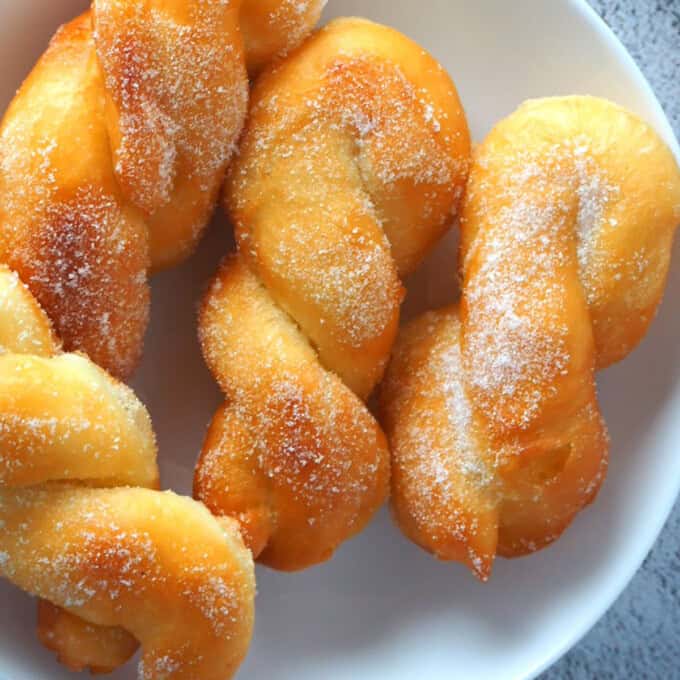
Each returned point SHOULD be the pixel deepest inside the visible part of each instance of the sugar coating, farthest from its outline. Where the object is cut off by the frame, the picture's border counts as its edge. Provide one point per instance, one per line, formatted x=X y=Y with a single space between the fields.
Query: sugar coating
x=71 y=252
x=180 y=87
x=517 y=334
x=437 y=448
x=290 y=21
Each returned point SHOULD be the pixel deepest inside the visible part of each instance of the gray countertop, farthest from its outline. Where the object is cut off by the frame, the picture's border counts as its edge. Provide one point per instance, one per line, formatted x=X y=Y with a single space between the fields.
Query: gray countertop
x=639 y=637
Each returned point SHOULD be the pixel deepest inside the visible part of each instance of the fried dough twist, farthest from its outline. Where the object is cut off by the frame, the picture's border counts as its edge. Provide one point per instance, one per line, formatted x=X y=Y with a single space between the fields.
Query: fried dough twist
x=352 y=164
x=114 y=150
x=82 y=527
x=491 y=407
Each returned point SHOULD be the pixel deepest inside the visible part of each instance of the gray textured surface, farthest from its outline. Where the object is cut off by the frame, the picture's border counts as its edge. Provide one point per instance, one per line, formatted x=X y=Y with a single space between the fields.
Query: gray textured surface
x=639 y=638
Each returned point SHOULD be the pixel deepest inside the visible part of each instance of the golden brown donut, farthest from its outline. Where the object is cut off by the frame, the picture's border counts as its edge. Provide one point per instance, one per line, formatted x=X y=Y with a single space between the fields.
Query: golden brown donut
x=491 y=407
x=113 y=152
x=352 y=164
x=82 y=527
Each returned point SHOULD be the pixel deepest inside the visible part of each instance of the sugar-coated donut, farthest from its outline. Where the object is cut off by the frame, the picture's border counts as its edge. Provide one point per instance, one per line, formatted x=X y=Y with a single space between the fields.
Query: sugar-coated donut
x=352 y=165
x=491 y=407
x=113 y=152
x=82 y=525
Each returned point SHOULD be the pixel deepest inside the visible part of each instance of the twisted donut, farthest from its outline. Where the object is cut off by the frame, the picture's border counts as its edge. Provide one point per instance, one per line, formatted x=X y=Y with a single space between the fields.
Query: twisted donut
x=351 y=166
x=77 y=529
x=491 y=408
x=113 y=152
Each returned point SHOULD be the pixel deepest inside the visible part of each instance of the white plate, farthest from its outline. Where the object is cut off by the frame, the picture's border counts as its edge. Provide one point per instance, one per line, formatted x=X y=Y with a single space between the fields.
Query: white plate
x=382 y=608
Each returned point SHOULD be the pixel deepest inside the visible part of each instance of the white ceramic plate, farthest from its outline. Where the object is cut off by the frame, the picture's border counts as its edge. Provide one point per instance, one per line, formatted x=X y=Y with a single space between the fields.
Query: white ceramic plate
x=382 y=608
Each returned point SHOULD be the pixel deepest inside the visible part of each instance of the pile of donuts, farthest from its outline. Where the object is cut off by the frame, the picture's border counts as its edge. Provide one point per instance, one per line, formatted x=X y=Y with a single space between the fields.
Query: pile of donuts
x=343 y=156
